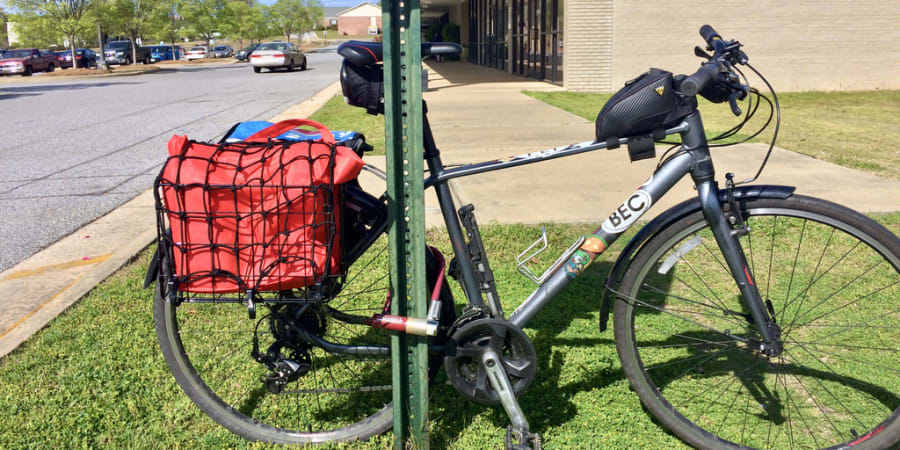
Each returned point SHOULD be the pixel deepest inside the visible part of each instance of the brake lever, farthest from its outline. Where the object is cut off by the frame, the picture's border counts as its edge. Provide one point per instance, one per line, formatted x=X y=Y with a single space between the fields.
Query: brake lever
x=702 y=54
x=732 y=100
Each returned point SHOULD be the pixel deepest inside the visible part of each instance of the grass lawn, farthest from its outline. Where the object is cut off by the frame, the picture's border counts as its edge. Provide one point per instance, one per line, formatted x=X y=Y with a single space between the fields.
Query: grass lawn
x=339 y=116
x=95 y=376
x=860 y=130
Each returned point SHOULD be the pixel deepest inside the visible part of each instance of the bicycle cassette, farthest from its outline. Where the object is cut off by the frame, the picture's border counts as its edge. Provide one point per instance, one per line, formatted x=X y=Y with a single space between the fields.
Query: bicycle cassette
x=464 y=367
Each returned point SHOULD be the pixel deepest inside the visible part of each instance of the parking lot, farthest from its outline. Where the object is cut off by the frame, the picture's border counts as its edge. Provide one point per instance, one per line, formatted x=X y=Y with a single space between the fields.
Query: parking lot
x=75 y=149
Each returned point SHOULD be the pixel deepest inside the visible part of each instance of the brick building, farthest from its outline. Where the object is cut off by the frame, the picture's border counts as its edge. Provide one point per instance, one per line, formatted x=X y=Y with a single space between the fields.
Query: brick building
x=596 y=45
x=360 y=20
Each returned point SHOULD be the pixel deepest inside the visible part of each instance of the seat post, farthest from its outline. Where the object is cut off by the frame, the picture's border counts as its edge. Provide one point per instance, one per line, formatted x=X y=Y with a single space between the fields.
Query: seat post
x=430 y=147
x=448 y=210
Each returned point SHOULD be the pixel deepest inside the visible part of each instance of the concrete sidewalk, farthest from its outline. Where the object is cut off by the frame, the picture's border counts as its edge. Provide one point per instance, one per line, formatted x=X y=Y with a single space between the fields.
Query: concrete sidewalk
x=479 y=114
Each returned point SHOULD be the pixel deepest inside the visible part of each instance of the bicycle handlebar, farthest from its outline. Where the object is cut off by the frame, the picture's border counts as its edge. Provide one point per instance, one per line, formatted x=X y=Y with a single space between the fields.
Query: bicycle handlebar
x=700 y=79
x=709 y=35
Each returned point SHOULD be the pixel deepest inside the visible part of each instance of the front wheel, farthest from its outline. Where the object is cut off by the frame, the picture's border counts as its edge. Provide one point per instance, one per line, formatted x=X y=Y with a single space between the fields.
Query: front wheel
x=830 y=278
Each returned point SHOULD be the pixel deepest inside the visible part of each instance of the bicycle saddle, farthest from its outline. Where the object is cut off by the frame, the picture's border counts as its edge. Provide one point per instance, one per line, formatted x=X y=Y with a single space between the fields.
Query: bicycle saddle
x=370 y=53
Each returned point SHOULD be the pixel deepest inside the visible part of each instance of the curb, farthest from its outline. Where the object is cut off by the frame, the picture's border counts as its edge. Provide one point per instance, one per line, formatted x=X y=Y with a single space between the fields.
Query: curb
x=40 y=315
x=21 y=80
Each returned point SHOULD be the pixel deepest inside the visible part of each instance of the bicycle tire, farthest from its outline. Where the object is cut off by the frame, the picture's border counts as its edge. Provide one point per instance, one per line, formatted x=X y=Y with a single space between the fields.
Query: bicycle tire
x=684 y=340
x=258 y=415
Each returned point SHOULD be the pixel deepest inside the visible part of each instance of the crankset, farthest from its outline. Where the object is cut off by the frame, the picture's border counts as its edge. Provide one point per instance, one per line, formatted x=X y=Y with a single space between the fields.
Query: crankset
x=472 y=341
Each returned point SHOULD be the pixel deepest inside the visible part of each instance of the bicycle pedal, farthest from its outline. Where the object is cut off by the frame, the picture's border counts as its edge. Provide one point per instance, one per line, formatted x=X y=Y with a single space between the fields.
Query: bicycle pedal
x=517 y=439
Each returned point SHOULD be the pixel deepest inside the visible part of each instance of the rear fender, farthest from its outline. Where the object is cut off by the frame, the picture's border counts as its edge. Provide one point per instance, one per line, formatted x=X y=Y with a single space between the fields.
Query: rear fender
x=667 y=218
x=152 y=269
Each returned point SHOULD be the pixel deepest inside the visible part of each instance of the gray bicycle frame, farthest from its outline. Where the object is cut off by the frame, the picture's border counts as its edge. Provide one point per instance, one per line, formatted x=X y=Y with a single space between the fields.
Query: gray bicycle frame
x=693 y=158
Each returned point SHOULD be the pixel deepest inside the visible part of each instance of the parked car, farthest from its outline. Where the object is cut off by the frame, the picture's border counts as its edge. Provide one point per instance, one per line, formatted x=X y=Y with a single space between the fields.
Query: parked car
x=273 y=55
x=25 y=61
x=244 y=53
x=222 y=51
x=84 y=57
x=198 y=52
x=165 y=53
x=119 y=52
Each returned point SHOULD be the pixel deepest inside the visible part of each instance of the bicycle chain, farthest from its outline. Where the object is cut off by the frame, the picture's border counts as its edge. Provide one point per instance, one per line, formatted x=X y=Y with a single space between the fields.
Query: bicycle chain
x=385 y=387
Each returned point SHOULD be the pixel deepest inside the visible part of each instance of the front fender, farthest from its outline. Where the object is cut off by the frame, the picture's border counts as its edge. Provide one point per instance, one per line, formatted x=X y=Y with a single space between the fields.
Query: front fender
x=667 y=218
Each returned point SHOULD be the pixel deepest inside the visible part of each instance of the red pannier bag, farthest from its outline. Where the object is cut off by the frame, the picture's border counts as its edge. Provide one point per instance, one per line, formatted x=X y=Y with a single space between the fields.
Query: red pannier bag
x=259 y=215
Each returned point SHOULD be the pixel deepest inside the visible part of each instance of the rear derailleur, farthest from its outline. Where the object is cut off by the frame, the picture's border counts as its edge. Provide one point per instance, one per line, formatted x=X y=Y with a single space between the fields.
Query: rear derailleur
x=287 y=358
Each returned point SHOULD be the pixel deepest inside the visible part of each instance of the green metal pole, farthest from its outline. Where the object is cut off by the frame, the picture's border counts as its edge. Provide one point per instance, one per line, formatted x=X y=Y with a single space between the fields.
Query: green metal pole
x=406 y=204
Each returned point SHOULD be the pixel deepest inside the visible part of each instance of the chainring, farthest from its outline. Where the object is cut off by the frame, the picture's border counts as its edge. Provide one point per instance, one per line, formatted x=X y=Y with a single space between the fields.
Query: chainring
x=464 y=367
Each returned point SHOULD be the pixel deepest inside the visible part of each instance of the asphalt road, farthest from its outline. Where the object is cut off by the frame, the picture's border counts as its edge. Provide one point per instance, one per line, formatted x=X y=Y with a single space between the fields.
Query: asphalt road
x=72 y=151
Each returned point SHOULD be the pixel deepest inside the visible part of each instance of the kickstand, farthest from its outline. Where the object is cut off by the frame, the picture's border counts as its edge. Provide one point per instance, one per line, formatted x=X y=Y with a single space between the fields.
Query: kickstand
x=517 y=435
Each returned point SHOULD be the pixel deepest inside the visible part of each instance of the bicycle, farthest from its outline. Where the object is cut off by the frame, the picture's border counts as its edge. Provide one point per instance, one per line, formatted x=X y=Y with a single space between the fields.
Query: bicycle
x=791 y=343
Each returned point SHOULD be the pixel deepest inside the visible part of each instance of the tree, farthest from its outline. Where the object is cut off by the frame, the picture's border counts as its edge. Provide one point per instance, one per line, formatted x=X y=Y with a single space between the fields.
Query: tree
x=234 y=18
x=133 y=17
x=202 y=17
x=259 y=25
x=166 y=24
x=35 y=31
x=3 y=37
x=70 y=18
x=296 y=16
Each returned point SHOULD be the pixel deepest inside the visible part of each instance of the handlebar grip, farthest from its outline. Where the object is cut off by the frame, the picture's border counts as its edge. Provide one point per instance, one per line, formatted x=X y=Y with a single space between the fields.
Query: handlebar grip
x=700 y=79
x=709 y=34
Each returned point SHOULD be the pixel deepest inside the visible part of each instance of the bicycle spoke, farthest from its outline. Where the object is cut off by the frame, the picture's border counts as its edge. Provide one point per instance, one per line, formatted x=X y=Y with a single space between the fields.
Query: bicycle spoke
x=794 y=266
x=771 y=254
x=811 y=278
x=825 y=388
x=705 y=284
x=688 y=320
x=726 y=312
x=845 y=305
x=787 y=304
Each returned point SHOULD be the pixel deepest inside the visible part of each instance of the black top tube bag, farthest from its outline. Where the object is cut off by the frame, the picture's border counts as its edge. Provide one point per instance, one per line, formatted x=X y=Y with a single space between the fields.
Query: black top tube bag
x=647 y=105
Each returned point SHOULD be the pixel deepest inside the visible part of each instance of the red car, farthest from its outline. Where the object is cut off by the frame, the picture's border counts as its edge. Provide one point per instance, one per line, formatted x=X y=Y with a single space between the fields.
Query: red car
x=26 y=61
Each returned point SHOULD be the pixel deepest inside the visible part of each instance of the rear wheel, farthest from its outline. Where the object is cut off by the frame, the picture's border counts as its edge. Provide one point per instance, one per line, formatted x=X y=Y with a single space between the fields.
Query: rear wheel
x=51 y=68
x=831 y=278
x=290 y=66
x=303 y=66
x=337 y=397
x=257 y=69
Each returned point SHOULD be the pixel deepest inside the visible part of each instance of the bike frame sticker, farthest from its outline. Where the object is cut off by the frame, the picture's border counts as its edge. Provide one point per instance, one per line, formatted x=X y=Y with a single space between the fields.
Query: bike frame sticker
x=628 y=212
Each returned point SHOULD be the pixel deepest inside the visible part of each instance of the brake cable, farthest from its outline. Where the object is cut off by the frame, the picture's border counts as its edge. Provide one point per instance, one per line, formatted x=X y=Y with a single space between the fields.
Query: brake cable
x=774 y=134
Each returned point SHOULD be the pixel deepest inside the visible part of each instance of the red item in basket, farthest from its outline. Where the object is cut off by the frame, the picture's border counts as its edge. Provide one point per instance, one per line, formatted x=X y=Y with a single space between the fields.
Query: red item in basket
x=258 y=214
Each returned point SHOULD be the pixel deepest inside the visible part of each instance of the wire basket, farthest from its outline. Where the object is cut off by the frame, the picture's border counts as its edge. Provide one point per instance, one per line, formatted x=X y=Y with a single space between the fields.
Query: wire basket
x=248 y=220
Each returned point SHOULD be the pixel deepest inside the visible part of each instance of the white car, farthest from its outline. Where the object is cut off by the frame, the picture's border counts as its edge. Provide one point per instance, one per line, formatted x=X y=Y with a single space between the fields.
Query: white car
x=198 y=52
x=273 y=55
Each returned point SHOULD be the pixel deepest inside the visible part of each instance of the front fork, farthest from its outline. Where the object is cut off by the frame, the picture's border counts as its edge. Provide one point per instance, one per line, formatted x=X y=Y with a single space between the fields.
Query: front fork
x=728 y=239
